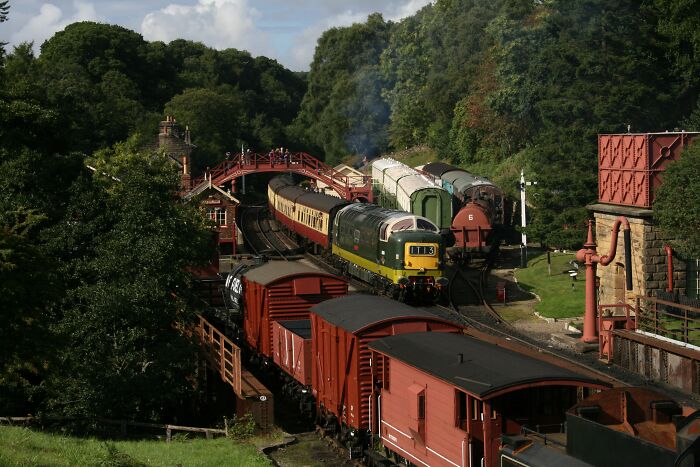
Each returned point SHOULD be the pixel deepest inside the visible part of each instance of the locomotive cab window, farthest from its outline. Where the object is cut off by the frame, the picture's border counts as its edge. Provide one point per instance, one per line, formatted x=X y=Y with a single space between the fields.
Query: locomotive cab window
x=421 y=250
x=383 y=232
x=422 y=224
x=404 y=224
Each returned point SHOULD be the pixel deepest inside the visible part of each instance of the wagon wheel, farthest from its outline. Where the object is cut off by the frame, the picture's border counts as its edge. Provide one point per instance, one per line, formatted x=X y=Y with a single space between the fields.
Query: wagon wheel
x=403 y=294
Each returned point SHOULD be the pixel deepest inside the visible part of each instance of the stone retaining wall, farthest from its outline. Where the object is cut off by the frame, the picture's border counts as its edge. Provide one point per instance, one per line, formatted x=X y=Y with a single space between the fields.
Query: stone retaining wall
x=649 y=268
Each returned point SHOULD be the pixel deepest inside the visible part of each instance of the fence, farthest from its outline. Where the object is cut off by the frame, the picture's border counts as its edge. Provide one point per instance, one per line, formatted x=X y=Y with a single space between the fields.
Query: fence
x=122 y=425
x=668 y=319
x=222 y=354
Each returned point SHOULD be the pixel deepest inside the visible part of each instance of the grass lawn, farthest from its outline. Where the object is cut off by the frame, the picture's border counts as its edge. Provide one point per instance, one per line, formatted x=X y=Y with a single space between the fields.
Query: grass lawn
x=23 y=446
x=559 y=298
x=418 y=157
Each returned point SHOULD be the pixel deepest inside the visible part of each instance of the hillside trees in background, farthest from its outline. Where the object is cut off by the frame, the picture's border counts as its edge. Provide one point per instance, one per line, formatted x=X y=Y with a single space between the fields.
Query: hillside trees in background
x=564 y=72
x=677 y=203
x=110 y=83
x=430 y=63
x=343 y=111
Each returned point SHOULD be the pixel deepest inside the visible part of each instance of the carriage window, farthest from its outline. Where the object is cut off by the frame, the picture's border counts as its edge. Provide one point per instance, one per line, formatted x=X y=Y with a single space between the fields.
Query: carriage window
x=421 y=406
x=422 y=224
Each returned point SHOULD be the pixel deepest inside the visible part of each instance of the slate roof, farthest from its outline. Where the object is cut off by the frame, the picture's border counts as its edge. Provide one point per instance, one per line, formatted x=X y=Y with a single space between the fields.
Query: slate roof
x=485 y=368
x=300 y=327
x=354 y=312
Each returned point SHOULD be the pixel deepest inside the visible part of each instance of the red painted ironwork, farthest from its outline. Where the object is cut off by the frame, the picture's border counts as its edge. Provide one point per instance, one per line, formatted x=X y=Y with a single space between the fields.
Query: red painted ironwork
x=630 y=166
x=669 y=265
x=348 y=187
x=590 y=258
x=607 y=324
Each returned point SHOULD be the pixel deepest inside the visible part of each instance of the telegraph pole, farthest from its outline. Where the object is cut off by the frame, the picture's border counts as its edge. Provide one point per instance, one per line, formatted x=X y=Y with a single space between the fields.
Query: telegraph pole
x=523 y=219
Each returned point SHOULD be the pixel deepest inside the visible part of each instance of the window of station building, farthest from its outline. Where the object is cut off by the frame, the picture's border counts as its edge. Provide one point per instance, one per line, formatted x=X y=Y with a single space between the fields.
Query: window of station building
x=218 y=215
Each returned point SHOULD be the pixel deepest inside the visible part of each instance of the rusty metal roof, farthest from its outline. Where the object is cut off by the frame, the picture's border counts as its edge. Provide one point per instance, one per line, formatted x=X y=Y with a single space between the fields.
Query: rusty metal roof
x=355 y=312
x=485 y=368
x=274 y=270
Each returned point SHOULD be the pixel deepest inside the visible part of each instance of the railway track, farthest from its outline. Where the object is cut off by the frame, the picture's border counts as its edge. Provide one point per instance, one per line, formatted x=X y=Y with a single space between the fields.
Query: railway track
x=263 y=238
x=498 y=332
x=504 y=334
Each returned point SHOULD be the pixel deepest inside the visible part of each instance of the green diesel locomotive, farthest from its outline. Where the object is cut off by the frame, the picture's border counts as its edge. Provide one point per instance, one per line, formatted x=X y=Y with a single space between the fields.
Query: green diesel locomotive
x=397 y=251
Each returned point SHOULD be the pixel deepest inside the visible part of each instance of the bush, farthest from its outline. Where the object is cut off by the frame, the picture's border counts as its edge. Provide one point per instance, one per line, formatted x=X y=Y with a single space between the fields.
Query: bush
x=242 y=427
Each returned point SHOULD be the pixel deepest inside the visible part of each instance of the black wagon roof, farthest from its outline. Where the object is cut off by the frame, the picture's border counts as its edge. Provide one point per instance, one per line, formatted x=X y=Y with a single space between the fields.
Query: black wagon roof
x=321 y=201
x=485 y=368
x=284 y=186
x=438 y=168
x=300 y=327
x=355 y=312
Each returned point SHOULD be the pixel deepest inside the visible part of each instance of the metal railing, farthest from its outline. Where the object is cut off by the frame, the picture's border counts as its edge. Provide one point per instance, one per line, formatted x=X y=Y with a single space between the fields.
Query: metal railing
x=529 y=431
x=668 y=319
x=298 y=162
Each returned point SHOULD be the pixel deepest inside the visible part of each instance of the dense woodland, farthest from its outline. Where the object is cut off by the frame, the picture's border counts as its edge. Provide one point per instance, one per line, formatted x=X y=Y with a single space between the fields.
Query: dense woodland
x=93 y=299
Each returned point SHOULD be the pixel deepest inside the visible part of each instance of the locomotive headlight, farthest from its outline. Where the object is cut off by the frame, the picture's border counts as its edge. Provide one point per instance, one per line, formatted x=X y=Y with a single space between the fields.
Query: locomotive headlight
x=442 y=281
x=403 y=280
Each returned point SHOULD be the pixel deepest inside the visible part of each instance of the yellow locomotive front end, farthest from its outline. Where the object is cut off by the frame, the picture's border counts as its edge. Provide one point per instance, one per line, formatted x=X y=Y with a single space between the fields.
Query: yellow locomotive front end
x=422 y=256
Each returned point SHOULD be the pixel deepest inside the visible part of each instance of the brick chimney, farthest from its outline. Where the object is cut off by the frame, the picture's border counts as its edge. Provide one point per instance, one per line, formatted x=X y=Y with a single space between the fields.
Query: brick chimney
x=186 y=178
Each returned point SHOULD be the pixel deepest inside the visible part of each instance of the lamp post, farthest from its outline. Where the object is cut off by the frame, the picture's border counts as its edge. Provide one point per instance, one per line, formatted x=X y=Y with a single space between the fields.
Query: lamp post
x=523 y=219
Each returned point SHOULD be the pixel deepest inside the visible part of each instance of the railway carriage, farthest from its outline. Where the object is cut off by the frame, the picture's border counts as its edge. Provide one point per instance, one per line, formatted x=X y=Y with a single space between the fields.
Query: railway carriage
x=466 y=187
x=401 y=187
x=341 y=330
x=444 y=400
x=305 y=213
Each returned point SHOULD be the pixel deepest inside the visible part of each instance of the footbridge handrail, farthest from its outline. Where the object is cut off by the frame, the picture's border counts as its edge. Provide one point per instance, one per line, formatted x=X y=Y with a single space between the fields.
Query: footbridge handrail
x=349 y=187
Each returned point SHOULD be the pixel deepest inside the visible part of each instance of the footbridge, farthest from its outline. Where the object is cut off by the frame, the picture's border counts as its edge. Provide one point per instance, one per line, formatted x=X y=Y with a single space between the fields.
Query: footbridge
x=349 y=187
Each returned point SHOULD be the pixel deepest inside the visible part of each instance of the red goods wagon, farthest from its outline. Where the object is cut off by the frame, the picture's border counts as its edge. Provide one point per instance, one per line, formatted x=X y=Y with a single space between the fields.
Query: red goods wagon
x=278 y=291
x=472 y=226
x=445 y=400
x=630 y=166
x=341 y=329
x=291 y=348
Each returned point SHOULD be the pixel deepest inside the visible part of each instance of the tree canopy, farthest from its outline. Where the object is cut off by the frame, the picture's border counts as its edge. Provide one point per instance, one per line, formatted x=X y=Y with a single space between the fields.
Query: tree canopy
x=677 y=203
